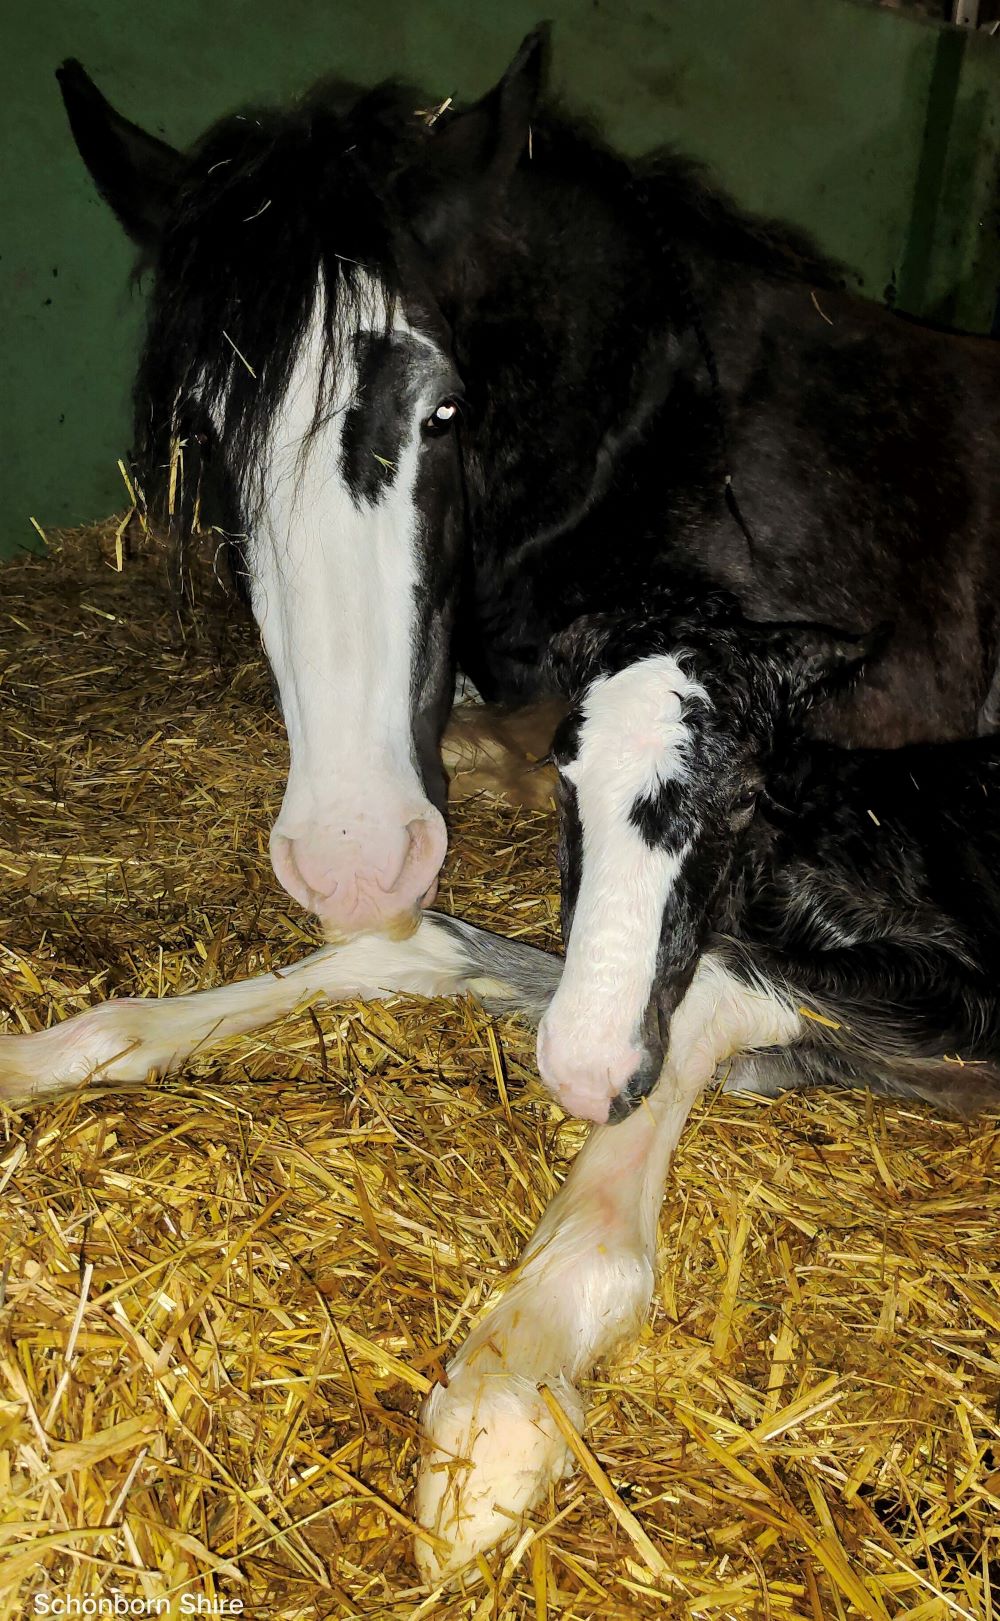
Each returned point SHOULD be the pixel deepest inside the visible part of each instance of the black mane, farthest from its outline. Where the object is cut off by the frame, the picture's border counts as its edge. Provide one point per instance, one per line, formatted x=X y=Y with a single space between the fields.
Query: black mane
x=277 y=201
x=686 y=203
x=274 y=203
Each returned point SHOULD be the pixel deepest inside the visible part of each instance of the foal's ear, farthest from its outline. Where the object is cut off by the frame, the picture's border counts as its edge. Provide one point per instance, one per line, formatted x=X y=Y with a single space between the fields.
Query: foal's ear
x=819 y=659
x=136 y=174
x=575 y=655
x=472 y=154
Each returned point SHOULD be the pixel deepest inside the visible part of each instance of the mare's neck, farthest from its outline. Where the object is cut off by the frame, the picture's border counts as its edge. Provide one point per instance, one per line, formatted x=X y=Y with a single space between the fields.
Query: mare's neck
x=593 y=377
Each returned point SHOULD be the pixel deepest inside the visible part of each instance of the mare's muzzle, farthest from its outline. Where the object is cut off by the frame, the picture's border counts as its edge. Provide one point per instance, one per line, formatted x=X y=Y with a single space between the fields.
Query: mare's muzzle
x=361 y=872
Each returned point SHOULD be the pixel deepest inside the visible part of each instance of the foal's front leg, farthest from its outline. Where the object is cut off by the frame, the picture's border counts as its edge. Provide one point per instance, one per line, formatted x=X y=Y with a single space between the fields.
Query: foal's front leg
x=582 y=1286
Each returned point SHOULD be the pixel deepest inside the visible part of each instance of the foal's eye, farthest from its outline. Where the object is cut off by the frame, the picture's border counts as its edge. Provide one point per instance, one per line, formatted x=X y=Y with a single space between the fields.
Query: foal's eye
x=442 y=418
x=745 y=801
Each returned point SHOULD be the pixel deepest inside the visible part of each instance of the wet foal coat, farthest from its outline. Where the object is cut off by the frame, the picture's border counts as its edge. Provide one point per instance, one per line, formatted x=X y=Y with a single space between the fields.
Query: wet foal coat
x=857 y=889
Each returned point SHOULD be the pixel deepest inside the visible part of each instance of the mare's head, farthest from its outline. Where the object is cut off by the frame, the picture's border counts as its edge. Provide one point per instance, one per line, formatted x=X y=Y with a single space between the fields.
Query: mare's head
x=300 y=350
x=661 y=763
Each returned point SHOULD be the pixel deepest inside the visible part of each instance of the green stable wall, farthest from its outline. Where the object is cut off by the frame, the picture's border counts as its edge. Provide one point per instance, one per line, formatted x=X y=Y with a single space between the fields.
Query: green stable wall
x=877 y=133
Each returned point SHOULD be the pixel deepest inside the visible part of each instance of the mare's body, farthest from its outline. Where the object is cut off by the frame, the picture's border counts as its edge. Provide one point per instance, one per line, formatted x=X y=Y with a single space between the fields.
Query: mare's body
x=865 y=492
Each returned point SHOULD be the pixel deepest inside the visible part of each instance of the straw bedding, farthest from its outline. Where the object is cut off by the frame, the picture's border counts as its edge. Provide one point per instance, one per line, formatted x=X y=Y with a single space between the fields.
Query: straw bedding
x=223 y=1298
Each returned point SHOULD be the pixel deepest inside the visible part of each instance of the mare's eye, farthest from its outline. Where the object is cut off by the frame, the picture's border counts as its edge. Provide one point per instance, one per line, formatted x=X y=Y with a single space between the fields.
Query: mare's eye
x=442 y=418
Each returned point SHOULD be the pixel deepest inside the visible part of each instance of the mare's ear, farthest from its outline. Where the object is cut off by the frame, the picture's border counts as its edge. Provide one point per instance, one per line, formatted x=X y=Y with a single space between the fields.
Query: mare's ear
x=575 y=655
x=136 y=174
x=471 y=155
x=818 y=659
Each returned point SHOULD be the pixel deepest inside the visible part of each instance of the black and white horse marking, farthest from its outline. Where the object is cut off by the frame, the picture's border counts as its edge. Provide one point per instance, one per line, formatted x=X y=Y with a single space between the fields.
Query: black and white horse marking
x=356 y=838
x=301 y=349
x=860 y=885
x=451 y=389
x=628 y=763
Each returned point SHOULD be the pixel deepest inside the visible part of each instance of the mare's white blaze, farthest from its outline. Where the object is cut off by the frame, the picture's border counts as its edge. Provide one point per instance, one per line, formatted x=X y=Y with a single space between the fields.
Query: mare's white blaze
x=333 y=588
x=631 y=742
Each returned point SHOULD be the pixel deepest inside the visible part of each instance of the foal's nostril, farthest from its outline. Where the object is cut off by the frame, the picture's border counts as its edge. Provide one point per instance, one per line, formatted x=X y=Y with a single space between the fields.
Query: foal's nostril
x=638 y=1086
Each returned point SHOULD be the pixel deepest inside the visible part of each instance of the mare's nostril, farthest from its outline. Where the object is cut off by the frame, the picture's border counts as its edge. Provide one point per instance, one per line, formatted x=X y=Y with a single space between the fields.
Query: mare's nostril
x=420 y=841
x=359 y=871
x=428 y=842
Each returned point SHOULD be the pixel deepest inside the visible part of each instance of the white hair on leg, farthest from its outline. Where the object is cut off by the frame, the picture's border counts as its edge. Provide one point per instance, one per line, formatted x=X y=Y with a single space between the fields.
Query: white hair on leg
x=582 y=1286
x=124 y=1041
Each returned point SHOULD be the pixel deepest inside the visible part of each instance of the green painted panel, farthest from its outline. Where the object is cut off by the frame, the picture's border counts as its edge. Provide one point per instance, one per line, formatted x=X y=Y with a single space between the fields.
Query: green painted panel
x=963 y=271
x=872 y=130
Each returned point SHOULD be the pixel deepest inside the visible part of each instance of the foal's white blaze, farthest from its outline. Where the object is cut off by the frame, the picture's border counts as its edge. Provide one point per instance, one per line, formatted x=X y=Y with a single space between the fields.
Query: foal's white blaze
x=333 y=590
x=631 y=741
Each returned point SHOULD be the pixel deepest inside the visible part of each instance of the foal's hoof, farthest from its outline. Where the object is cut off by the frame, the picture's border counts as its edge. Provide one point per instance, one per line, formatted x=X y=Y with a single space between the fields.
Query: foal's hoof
x=493 y=1450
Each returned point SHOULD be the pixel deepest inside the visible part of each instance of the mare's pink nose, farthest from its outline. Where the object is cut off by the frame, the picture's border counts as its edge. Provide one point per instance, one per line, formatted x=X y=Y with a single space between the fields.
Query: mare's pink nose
x=357 y=877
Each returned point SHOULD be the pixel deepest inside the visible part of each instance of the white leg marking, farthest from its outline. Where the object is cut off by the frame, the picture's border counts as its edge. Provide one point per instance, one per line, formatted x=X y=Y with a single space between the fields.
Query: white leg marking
x=125 y=1041
x=632 y=741
x=583 y=1285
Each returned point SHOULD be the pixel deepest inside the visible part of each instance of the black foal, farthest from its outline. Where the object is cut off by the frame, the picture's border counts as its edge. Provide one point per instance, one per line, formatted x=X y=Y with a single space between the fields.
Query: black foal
x=857 y=890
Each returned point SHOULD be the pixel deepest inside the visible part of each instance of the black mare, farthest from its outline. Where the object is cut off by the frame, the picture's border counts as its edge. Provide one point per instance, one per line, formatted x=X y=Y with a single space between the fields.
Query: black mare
x=559 y=281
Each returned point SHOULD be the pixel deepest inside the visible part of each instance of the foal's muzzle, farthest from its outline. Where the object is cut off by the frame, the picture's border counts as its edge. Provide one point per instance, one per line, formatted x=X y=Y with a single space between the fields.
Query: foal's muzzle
x=592 y=1074
x=638 y=1086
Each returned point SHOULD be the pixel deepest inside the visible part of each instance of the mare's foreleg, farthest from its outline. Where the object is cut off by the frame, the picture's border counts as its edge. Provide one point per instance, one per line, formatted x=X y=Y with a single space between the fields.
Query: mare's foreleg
x=124 y=1041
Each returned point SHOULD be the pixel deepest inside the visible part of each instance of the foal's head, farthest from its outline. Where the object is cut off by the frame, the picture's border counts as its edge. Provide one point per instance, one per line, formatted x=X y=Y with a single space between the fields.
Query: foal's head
x=661 y=763
x=299 y=347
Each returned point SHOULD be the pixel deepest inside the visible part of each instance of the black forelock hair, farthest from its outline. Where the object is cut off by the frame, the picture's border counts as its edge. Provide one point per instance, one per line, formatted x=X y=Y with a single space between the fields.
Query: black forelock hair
x=276 y=208
x=307 y=197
